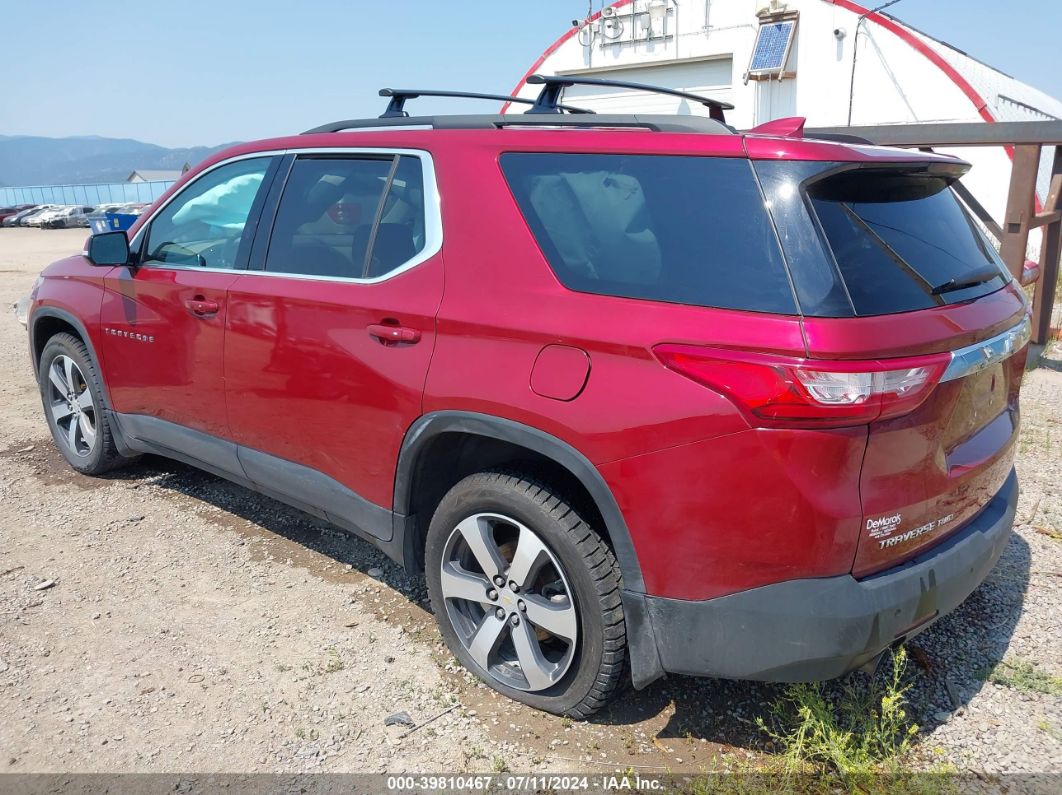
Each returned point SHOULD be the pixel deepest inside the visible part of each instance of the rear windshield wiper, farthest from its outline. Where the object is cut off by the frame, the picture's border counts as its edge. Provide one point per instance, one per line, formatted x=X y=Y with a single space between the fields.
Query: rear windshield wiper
x=894 y=255
x=969 y=280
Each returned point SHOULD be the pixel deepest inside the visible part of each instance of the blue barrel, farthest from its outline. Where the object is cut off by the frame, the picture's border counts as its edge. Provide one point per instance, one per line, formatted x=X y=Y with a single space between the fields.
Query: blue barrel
x=98 y=223
x=120 y=221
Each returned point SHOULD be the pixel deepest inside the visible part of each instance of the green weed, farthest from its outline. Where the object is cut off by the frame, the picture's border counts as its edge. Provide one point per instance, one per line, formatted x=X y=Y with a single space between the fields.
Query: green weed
x=1023 y=675
x=854 y=738
x=1049 y=729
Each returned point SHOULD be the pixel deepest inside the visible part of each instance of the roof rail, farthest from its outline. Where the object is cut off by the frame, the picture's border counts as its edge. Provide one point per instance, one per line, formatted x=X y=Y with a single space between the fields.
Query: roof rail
x=552 y=85
x=653 y=122
x=396 y=107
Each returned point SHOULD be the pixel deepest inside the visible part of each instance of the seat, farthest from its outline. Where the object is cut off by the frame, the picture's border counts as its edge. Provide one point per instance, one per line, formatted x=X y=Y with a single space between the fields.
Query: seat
x=314 y=259
x=393 y=246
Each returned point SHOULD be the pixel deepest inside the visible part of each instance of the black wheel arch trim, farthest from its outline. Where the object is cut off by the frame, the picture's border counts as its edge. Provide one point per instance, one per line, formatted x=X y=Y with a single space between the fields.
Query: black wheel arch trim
x=646 y=666
x=66 y=317
x=431 y=425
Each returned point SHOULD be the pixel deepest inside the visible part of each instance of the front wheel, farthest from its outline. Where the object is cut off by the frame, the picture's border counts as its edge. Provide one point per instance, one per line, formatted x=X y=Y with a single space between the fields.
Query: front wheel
x=72 y=396
x=526 y=594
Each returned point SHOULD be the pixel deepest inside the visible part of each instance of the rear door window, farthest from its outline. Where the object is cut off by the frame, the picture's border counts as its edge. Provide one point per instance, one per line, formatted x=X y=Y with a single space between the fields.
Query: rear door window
x=349 y=217
x=682 y=229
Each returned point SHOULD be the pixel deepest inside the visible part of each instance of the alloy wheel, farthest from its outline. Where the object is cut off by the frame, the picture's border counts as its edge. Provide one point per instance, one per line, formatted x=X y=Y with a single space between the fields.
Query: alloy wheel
x=71 y=405
x=509 y=601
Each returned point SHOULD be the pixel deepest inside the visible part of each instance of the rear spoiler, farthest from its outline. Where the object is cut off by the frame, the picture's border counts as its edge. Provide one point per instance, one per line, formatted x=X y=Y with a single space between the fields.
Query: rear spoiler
x=793 y=127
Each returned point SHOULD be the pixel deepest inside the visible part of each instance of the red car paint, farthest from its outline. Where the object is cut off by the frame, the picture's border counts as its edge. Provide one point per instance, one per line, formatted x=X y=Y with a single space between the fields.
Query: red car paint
x=715 y=503
x=295 y=350
x=176 y=377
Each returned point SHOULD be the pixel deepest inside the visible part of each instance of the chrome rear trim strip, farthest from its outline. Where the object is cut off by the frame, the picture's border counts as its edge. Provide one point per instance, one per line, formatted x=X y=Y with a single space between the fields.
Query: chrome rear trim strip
x=975 y=358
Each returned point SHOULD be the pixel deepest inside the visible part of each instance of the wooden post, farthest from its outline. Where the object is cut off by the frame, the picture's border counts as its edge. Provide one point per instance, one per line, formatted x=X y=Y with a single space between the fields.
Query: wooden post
x=1020 y=208
x=1050 y=249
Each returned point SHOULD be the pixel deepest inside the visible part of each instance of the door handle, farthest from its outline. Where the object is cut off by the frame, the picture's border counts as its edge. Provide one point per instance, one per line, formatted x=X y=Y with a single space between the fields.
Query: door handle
x=200 y=307
x=390 y=334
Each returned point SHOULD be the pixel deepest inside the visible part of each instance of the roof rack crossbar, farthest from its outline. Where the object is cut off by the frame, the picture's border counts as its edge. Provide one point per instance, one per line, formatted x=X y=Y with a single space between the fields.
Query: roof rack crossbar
x=552 y=86
x=398 y=96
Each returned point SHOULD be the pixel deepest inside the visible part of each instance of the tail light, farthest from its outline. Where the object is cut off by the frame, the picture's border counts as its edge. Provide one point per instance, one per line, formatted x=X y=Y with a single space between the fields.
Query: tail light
x=791 y=392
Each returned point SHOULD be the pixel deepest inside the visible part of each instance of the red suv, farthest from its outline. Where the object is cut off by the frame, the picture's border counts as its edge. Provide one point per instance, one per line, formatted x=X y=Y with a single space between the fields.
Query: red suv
x=630 y=391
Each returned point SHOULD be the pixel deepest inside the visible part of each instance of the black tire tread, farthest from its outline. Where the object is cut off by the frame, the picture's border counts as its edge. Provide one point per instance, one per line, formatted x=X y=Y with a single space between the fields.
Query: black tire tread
x=110 y=458
x=604 y=572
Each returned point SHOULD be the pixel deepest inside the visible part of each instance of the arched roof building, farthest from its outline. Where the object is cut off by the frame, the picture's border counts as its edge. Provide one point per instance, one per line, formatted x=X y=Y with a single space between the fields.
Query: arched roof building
x=831 y=61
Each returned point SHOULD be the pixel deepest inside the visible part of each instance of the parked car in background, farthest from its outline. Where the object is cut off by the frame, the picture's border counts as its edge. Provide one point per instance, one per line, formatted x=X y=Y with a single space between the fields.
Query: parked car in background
x=40 y=219
x=67 y=217
x=16 y=219
x=35 y=217
x=8 y=212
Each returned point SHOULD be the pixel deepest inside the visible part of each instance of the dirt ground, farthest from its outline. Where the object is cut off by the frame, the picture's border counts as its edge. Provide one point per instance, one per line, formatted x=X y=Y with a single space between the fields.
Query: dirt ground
x=191 y=625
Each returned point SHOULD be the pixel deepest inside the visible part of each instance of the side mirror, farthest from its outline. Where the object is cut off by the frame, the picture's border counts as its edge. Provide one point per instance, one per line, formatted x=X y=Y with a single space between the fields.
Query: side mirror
x=1030 y=273
x=109 y=248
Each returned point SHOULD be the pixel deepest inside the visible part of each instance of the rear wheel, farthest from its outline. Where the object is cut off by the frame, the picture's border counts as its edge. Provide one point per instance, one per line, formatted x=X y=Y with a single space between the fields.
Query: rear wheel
x=526 y=594
x=74 y=406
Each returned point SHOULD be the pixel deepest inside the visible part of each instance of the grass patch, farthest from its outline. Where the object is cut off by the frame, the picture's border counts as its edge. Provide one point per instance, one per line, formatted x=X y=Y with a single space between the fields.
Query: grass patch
x=1049 y=729
x=854 y=737
x=1023 y=675
x=332 y=664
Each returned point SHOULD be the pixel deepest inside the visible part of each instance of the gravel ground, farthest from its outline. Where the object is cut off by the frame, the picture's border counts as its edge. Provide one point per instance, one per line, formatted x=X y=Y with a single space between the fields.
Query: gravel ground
x=190 y=625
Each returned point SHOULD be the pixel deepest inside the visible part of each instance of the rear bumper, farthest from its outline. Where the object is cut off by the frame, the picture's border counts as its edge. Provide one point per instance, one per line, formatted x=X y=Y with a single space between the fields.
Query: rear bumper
x=815 y=629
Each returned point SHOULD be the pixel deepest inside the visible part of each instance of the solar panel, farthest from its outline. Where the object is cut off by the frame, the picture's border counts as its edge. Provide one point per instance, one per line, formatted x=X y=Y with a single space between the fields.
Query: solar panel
x=772 y=46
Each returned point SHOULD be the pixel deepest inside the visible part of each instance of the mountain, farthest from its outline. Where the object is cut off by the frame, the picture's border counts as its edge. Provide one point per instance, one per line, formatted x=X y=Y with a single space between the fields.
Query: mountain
x=35 y=160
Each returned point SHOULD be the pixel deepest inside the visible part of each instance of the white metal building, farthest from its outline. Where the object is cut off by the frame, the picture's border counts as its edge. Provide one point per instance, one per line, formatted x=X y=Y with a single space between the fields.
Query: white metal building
x=831 y=61
x=157 y=175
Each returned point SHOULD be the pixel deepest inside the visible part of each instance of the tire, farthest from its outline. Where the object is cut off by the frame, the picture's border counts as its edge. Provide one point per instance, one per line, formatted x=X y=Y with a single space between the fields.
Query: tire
x=72 y=396
x=521 y=529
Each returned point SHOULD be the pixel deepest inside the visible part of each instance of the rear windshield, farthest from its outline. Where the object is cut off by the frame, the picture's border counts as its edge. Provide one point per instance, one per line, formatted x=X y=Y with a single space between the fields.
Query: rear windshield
x=903 y=242
x=874 y=241
x=690 y=230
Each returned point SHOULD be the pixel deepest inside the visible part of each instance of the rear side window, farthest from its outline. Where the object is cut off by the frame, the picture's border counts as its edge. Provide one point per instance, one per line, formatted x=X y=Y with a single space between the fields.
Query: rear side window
x=902 y=241
x=690 y=230
x=349 y=217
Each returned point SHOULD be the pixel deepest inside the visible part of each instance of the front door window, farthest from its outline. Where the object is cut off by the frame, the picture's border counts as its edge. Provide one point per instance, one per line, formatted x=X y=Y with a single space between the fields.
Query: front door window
x=204 y=225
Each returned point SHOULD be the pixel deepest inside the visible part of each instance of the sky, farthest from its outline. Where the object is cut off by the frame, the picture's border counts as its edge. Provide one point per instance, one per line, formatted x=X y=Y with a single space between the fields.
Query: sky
x=205 y=72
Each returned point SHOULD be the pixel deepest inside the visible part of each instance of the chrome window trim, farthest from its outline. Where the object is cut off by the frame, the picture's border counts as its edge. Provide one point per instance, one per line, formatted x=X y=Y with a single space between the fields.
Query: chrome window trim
x=982 y=355
x=433 y=228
